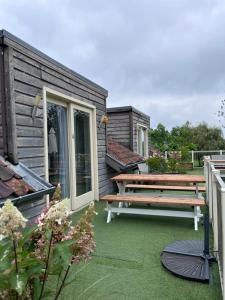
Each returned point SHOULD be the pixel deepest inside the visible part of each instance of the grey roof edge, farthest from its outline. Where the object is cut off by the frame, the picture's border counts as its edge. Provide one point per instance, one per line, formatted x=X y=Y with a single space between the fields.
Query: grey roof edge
x=10 y=36
x=122 y=167
x=119 y=109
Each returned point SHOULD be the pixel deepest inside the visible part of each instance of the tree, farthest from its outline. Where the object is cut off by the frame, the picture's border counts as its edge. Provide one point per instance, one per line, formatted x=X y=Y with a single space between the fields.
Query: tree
x=208 y=138
x=160 y=137
x=182 y=137
x=187 y=137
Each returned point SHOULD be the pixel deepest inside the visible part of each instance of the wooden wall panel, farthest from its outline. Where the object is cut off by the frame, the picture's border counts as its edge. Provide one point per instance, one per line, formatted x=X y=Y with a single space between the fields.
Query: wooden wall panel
x=31 y=74
x=119 y=128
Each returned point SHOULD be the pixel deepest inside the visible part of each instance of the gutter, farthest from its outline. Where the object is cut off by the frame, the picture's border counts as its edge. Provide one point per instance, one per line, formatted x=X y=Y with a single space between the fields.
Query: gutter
x=39 y=194
x=34 y=195
x=111 y=161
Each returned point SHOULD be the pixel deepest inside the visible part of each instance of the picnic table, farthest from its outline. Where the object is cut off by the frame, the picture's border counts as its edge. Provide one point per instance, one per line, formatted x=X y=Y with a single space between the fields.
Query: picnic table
x=136 y=181
x=123 y=179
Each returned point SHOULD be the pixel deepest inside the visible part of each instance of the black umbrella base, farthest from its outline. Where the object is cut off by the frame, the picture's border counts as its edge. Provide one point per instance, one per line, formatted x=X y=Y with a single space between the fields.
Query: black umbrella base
x=186 y=259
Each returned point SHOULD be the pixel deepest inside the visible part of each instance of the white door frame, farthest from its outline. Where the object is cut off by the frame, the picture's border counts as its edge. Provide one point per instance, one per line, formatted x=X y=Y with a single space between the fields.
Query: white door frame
x=71 y=102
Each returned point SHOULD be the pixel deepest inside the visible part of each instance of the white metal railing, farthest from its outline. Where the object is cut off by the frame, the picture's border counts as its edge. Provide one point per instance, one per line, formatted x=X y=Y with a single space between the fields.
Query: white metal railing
x=197 y=156
x=215 y=197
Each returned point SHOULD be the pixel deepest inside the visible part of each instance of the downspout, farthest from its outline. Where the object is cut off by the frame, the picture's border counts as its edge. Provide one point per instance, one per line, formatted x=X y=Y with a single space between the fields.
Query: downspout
x=8 y=105
x=2 y=96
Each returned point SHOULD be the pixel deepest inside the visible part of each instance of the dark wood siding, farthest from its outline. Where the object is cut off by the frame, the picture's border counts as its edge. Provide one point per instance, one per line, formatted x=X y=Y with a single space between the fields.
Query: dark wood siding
x=119 y=127
x=1 y=99
x=31 y=73
x=122 y=126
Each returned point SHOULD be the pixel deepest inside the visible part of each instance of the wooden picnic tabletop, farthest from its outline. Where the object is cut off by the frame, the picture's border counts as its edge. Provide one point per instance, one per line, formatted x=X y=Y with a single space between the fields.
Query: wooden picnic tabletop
x=159 y=178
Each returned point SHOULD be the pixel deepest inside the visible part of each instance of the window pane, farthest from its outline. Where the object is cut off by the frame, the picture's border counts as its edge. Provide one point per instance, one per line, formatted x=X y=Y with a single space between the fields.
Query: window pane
x=82 y=152
x=58 y=156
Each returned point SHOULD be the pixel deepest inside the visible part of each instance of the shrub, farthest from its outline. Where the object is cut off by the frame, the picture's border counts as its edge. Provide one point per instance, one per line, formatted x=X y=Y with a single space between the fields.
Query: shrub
x=30 y=256
x=157 y=164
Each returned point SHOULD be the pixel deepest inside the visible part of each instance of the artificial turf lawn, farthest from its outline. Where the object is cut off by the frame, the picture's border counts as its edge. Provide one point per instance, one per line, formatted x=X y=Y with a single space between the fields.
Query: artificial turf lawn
x=126 y=263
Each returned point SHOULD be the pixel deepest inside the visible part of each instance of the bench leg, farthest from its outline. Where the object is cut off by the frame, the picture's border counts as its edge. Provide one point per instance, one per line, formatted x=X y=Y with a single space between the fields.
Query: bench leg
x=120 y=206
x=196 y=216
x=109 y=217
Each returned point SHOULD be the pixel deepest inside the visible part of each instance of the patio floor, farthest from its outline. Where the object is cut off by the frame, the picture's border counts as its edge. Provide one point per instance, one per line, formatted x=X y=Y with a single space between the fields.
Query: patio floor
x=126 y=263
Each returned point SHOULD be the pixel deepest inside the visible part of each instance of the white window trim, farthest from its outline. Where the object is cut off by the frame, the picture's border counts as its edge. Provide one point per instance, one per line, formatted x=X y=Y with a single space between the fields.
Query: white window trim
x=138 y=127
x=54 y=96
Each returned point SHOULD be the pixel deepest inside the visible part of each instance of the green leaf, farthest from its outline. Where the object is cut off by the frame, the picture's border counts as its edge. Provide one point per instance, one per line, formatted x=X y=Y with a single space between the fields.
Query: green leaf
x=18 y=282
x=5 y=256
x=56 y=268
x=63 y=250
x=48 y=234
x=29 y=261
x=4 y=283
x=35 y=270
x=37 y=288
x=27 y=232
x=5 y=249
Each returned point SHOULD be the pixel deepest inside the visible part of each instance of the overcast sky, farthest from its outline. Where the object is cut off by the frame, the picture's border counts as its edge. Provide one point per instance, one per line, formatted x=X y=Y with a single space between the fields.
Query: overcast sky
x=166 y=58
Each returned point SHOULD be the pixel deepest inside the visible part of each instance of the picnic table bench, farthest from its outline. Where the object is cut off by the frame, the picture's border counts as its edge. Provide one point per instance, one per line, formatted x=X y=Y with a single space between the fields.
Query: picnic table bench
x=158 y=200
x=124 y=198
x=187 y=188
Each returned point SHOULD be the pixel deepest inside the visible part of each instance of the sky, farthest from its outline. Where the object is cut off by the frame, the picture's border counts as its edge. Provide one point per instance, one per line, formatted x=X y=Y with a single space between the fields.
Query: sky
x=164 y=57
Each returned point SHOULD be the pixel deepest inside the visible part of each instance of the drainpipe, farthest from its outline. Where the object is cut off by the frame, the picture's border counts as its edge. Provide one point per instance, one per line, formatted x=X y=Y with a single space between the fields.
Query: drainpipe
x=2 y=97
x=8 y=104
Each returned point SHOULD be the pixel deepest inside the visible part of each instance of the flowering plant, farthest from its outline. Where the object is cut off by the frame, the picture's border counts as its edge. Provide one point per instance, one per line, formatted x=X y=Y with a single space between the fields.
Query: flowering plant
x=30 y=256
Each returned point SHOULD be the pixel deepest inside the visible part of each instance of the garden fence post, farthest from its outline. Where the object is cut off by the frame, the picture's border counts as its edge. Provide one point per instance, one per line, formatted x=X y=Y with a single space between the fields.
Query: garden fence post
x=192 y=157
x=214 y=212
x=166 y=155
x=223 y=238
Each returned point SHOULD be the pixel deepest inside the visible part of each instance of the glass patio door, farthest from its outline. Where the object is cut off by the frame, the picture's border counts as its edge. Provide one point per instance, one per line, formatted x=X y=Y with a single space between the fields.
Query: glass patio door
x=71 y=155
x=82 y=156
x=58 y=151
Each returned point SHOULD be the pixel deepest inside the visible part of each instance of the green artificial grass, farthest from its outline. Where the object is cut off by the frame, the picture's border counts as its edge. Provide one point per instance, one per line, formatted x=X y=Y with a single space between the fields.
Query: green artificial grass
x=195 y=171
x=126 y=263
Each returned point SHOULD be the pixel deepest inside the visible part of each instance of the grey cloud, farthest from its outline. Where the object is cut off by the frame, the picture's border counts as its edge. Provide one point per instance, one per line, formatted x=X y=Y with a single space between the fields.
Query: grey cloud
x=167 y=58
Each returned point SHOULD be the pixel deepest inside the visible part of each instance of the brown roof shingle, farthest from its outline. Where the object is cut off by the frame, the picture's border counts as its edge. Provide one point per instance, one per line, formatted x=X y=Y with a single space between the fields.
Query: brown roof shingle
x=11 y=183
x=122 y=154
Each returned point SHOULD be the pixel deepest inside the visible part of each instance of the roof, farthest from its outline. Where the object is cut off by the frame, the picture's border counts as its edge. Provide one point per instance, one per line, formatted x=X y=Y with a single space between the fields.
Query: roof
x=126 y=109
x=19 y=183
x=120 y=157
x=8 y=35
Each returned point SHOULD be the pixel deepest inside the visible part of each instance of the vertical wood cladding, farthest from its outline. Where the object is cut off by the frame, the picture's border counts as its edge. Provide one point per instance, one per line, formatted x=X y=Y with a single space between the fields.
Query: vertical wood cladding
x=1 y=99
x=122 y=126
x=119 y=127
x=32 y=72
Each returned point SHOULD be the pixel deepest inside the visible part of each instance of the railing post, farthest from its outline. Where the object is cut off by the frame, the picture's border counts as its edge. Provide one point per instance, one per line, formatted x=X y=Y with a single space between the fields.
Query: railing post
x=214 y=211
x=221 y=152
x=166 y=155
x=206 y=175
x=192 y=157
x=223 y=238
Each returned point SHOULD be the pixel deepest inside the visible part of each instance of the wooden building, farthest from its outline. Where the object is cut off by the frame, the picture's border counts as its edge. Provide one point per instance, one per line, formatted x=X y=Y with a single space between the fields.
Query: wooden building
x=50 y=120
x=130 y=127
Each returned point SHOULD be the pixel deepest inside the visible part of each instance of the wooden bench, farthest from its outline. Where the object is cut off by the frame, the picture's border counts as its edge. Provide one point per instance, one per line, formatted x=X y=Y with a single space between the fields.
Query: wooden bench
x=192 y=188
x=159 y=200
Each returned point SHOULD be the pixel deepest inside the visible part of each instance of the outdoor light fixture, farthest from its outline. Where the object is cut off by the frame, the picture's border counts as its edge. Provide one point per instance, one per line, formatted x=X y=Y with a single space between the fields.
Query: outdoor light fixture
x=104 y=120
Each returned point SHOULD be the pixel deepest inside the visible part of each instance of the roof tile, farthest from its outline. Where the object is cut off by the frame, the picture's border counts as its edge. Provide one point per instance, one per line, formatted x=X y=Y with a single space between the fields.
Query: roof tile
x=122 y=154
x=11 y=183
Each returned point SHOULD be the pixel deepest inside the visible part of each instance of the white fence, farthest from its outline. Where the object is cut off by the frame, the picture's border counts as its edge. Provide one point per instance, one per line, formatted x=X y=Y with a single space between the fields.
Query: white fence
x=215 y=190
x=197 y=157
